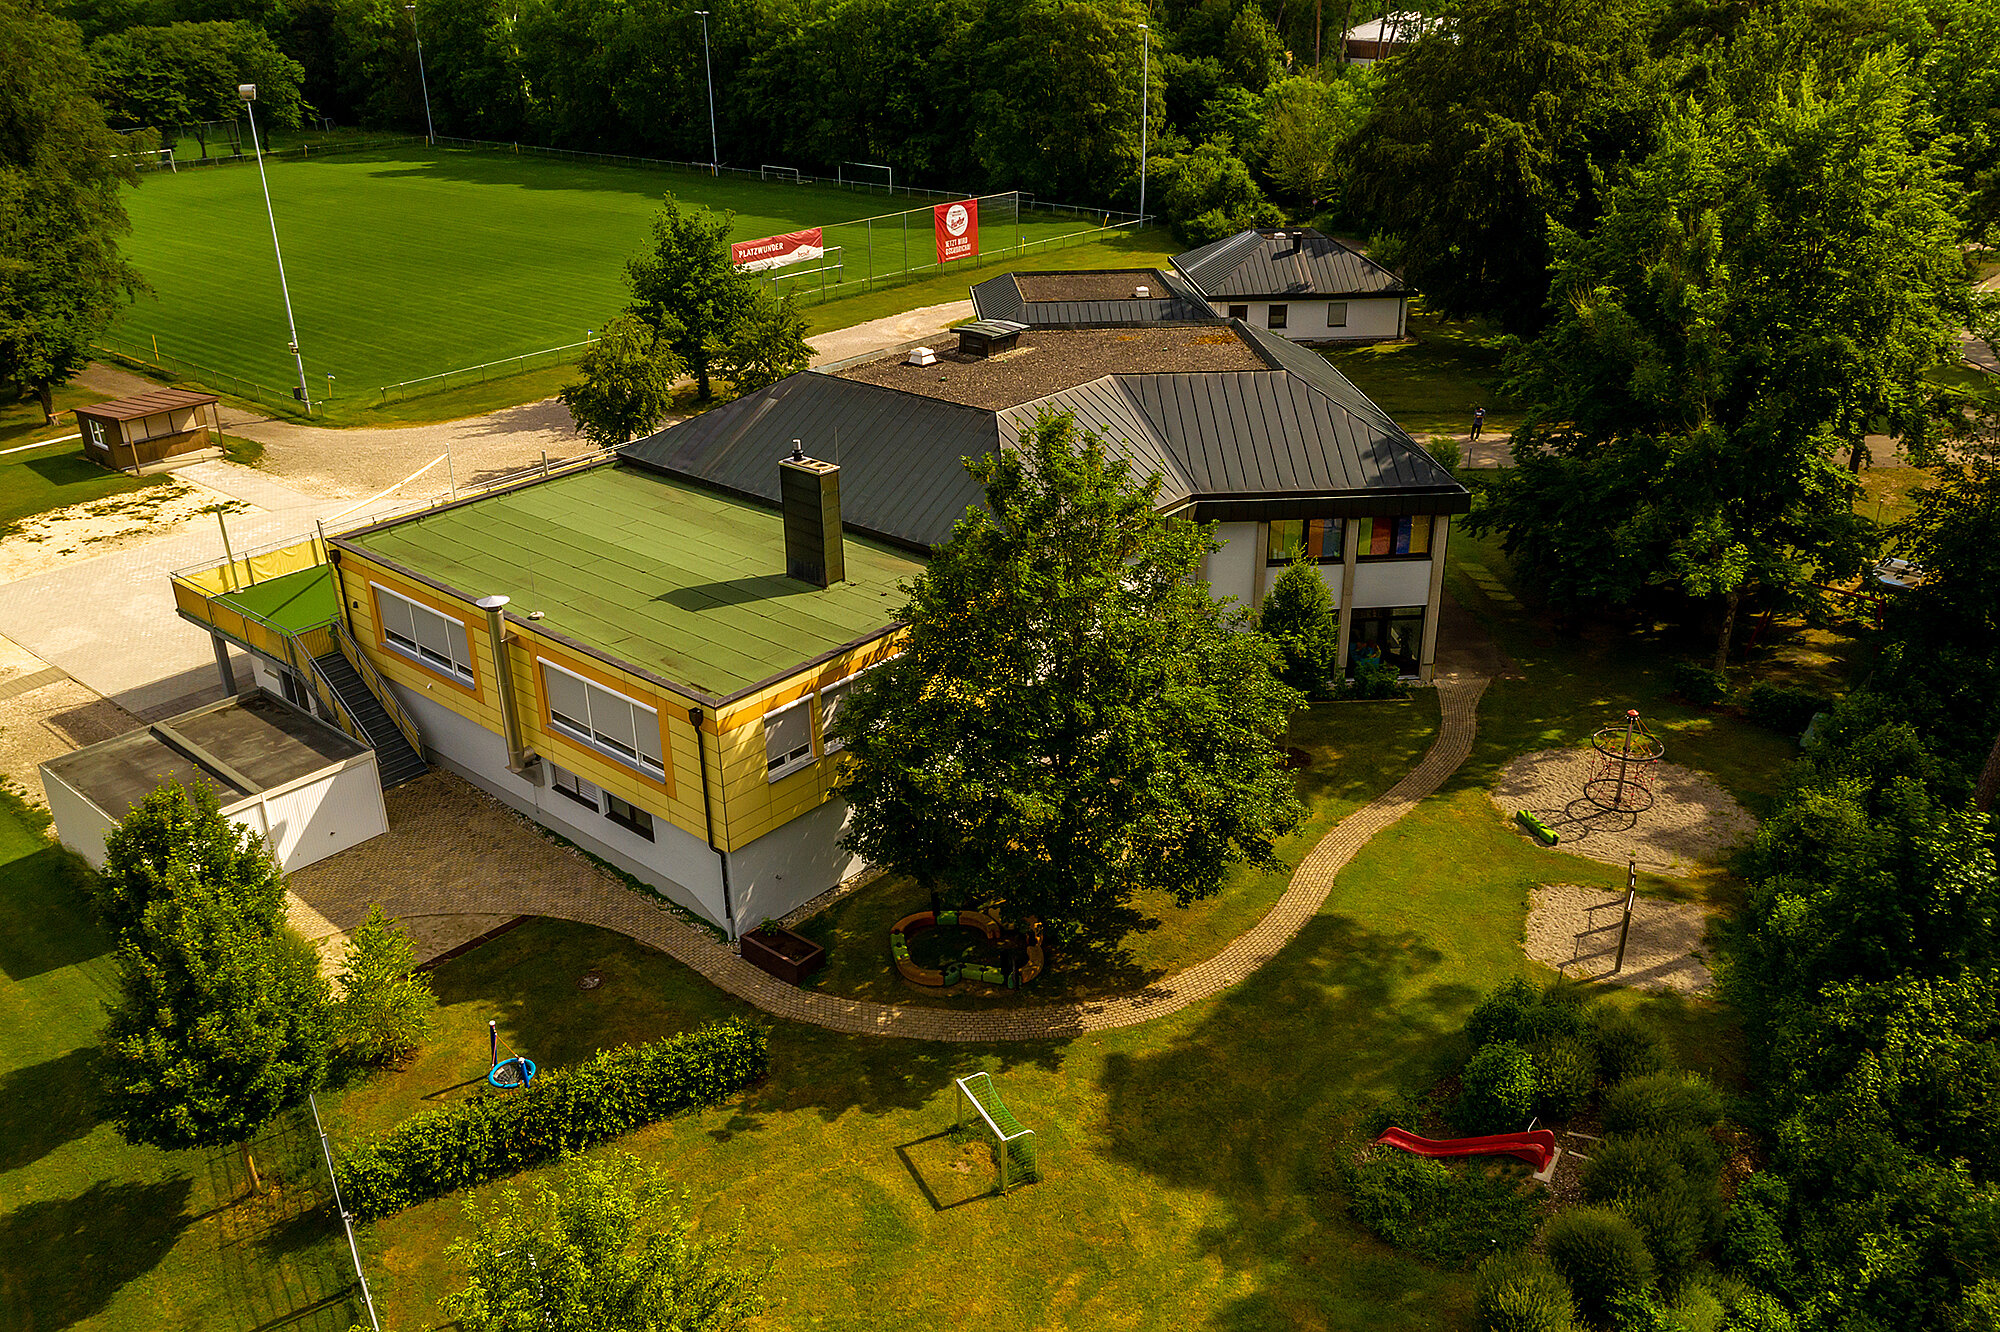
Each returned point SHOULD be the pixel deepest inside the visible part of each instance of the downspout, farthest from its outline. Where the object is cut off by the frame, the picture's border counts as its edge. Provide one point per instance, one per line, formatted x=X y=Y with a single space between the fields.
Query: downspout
x=518 y=756
x=708 y=820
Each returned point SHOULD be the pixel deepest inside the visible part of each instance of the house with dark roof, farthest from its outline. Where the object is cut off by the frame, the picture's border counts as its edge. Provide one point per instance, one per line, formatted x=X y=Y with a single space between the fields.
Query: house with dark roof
x=1299 y=283
x=646 y=653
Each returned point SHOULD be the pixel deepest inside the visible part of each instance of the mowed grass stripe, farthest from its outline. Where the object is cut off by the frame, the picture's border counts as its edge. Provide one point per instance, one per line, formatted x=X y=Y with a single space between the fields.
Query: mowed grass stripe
x=415 y=261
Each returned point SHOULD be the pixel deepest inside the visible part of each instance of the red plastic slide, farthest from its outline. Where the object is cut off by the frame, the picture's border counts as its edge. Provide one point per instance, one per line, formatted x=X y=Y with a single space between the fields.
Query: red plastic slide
x=1537 y=1148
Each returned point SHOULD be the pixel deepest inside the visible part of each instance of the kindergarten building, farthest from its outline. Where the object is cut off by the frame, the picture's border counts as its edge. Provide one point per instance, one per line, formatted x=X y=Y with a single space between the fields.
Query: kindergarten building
x=645 y=653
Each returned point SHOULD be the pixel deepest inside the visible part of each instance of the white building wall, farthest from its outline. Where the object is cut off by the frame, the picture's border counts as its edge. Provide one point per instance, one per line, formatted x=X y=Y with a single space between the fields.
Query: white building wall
x=790 y=865
x=80 y=825
x=1392 y=583
x=1232 y=571
x=1368 y=320
x=680 y=865
x=310 y=821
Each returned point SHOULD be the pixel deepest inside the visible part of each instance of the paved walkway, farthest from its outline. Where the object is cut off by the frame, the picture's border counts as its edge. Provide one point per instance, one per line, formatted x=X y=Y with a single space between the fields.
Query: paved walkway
x=499 y=862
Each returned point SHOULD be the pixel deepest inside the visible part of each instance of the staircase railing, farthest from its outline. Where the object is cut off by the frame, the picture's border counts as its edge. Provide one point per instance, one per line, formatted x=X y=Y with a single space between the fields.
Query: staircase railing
x=376 y=686
x=301 y=650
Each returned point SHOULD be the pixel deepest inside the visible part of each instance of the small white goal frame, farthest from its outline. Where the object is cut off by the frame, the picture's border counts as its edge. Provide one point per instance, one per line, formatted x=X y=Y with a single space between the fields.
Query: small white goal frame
x=1003 y=1141
x=767 y=170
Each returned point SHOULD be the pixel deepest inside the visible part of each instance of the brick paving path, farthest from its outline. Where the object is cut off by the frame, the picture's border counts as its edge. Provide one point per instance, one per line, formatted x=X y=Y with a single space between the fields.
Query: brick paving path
x=500 y=866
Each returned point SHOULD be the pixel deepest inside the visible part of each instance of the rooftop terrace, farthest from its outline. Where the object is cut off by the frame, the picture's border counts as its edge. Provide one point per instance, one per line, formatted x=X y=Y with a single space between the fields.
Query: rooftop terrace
x=1049 y=360
x=683 y=583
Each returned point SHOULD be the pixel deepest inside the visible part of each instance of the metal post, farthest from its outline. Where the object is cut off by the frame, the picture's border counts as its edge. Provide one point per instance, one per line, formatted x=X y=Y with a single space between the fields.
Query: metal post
x=346 y=1222
x=430 y=128
x=451 y=472
x=714 y=153
x=1631 y=719
x=248 y=92
x=228 y=555
x=493 y=1042
x=1145 y=96
x=1631 y=892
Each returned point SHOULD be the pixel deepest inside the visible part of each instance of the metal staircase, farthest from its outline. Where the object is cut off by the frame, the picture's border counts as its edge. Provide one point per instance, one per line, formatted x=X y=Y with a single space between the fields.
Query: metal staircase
x=396 y=759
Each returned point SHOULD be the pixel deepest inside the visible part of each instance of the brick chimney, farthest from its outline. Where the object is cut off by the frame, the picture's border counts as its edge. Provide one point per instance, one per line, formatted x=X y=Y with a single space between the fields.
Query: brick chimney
x=809 y=492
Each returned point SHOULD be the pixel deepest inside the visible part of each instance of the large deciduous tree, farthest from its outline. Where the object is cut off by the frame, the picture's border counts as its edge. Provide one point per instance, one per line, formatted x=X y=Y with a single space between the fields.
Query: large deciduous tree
x=1059 y=114
x=185 y=75
x=176 y=832
x=607 y=1251
x=1772 y=280
x=1074 y=718
x=61 y=277
x=627 y=386
x=685 y=288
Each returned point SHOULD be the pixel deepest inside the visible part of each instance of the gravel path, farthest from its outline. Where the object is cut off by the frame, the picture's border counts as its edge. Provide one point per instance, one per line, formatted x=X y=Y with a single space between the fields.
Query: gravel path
x=1693 y=821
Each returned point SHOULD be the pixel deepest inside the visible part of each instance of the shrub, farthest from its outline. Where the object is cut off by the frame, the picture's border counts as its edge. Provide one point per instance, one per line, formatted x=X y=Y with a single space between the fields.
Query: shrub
x=1497 y=1089
x=1755 y=1311
x=1297 y=616
x=1667 y=1185
x=1753 y=1239
x=1601 y=1255
x=1518 y=1292
x=1624 y=1047
x=1697 y=684
x=386 y=1008
x=1786 y=709
x=1403 y=1110
x=1446 y=1215
x=564 y=1110
x=1503 y=1014
x=1678 y=1223
x=1565 y=1073
x=1374 y=678
x=1662 y=1103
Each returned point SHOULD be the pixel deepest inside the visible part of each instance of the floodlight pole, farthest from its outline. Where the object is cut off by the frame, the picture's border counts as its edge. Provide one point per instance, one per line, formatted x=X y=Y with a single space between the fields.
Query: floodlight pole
x=430 y=128
x=708 y=63
x=1145 y=114
x=248 y=92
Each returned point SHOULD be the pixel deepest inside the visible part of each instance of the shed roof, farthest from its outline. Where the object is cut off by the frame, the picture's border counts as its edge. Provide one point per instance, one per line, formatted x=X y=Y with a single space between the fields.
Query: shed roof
x=1288 y=262
x=1090 y=298
x=241 y=746
x=150 y=403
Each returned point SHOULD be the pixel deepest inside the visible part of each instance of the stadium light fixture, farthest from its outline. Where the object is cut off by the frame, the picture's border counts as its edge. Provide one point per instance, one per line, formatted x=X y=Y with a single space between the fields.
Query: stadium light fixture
x=714 y=153
x=430 y=129
x=248 y=92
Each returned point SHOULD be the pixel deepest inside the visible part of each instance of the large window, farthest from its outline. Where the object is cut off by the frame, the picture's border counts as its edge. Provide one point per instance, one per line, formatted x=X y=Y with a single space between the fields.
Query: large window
x=1318 y=539
x=1391 y=634
x=788 y=739
x=607 y=721
x=424 y=635
x=1395 y=538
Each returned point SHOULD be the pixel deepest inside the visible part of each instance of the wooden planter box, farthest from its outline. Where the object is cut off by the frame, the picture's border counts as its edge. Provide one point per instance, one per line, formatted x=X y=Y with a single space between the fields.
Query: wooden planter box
x=790 y=957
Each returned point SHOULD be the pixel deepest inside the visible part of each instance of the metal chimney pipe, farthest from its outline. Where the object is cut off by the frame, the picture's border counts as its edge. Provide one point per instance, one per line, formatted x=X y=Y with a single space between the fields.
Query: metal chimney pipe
x=495 y=607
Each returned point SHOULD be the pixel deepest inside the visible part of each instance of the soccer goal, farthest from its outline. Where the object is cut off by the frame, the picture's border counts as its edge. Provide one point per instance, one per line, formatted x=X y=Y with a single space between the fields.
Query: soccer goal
x=866 y=174
x=1013 y=1146
x=769 y=172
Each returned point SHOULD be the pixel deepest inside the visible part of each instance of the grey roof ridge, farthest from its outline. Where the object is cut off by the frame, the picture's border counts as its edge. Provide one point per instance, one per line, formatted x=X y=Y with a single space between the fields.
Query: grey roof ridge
x=1245 y=240
x=1268 y=345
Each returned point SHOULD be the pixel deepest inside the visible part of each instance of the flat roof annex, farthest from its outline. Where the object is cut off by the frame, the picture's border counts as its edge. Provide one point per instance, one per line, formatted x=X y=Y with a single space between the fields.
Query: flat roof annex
x=676 y=582
x=1090 y=298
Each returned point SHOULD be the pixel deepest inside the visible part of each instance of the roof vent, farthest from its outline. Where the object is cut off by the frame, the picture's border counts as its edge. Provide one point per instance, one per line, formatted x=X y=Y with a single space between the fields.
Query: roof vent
x=1141 y=293
x=921 y=356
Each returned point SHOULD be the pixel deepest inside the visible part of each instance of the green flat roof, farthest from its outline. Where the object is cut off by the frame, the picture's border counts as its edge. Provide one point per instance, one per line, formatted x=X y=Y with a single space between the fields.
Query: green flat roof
x=292 y=601
x=678 y=581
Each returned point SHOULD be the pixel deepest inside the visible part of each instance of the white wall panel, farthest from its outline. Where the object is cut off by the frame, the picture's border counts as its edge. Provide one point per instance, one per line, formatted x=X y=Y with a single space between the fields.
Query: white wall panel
x=790 y=865
x=1392 y=583
x=1232 y=571
x=80 y=825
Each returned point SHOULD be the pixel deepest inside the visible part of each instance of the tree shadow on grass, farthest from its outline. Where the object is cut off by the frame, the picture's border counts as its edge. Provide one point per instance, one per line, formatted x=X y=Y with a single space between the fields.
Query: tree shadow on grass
x=828 y=1074
x=45 y=919
x=64 y=1260
x=46 y=1105
x=1247 y=1107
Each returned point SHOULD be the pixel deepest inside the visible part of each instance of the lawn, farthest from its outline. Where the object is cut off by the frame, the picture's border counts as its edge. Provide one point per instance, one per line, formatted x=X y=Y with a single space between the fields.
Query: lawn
x=1431 y=384
x=1356 y=750
x=37 y=480
x=409 y=262
x=97 y=1233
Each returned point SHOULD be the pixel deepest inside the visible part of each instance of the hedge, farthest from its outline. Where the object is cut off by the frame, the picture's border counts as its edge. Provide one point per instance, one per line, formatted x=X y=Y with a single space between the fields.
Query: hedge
x=565 y=1110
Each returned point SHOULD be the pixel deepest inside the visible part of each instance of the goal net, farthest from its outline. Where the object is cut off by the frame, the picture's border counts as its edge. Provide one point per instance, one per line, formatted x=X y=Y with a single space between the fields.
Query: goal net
x=1013 y=1146
x=768 y=172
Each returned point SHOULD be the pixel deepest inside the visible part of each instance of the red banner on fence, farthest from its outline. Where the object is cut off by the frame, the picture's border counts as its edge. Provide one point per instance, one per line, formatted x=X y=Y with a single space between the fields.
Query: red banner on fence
x=957 y=230
x=777 y=251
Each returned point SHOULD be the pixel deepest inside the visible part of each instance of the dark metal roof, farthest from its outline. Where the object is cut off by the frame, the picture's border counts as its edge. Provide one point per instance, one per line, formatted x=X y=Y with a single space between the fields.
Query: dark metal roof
x=1281 y=263
x=1000 y=298
x=153 y=402
x=994 y=328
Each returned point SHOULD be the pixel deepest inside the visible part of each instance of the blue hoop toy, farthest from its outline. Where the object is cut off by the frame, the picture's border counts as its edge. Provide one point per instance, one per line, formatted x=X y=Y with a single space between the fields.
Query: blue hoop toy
x=522 y=1069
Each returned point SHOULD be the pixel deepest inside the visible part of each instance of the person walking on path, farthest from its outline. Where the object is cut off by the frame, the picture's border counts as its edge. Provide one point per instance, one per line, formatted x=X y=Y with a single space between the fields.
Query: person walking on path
x=1478 y=421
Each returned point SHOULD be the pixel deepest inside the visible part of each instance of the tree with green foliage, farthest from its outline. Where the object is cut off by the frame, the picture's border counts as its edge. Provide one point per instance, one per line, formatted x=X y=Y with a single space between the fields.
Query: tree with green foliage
x=174 y=834
x=1074 y=717
x=61 y=277
x=686 y=289
x=1058 y=114
x=186 y=75
x=627 y=386
x=220 y=1020
x=607 y=1250
x=767 y=342
x=1297 y=615
x=1308 y=122
x=386 y=1007
x=1490 y=128
x=1770 y=281
x=1207 y=193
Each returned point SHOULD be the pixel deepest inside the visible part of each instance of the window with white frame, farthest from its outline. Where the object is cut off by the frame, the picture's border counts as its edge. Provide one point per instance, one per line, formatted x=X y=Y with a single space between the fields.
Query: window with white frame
x=788 y=739
x=830 y=699
x=96 y=433
x=610 y=723
x=424 y=635
x=577 y=789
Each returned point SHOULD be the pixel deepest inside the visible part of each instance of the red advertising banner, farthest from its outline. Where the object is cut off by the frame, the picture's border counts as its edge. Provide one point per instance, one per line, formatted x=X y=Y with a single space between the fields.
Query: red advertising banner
x=957 y=230
x=777 y=251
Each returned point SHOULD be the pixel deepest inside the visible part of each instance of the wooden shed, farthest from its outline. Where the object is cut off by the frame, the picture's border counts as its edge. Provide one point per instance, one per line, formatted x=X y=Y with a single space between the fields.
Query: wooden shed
x=151 y=431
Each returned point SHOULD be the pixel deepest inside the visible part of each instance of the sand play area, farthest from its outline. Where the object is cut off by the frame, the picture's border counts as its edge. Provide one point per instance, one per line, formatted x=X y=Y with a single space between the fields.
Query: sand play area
x=1692 y=822
x=1575 y=930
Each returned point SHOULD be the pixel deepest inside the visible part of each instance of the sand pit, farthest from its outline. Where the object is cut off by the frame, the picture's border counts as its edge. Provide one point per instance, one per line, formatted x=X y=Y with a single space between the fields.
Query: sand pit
x=1693 y=821
x=1575 y=930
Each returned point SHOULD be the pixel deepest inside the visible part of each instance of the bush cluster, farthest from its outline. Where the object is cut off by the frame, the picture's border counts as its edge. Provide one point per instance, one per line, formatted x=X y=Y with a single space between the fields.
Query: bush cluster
x=1601 y=1255
x=564 y=1110
x=1662 y=1103
x=1497 y=1089
x=1447 y=1215
x=1519 y=1292
x=1668 y=1184
x=1697 y=684
x=1786 y=709
x=1625 y=1048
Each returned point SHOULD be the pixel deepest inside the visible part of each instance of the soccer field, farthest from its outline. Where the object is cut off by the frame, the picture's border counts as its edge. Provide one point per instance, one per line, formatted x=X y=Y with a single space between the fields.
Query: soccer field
x=411 y=262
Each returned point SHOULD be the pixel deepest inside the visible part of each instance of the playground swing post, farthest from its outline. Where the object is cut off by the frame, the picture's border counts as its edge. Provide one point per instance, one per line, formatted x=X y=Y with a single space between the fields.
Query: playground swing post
x=1625 y=929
